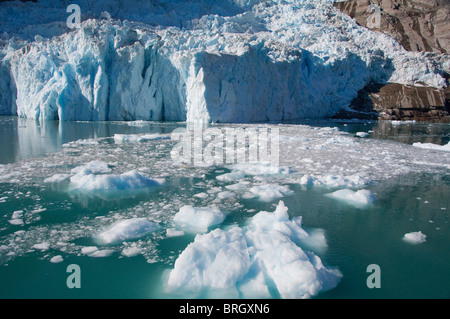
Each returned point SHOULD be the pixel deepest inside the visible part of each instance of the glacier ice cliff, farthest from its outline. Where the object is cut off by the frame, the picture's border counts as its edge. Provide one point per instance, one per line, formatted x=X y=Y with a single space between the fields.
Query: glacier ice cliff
x=206 y=61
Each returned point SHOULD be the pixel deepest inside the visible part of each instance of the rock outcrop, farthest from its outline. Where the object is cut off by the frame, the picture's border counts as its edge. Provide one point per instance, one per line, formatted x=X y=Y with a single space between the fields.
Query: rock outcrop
x=400 y=102
x=421 y=25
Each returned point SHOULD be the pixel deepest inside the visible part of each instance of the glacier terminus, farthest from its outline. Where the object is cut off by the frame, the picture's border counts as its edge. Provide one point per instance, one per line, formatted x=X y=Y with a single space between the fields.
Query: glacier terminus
x=198 y=61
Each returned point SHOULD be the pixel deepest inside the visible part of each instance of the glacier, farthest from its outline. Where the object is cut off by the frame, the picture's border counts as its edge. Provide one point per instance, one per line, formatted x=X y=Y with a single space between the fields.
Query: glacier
x=196 y=61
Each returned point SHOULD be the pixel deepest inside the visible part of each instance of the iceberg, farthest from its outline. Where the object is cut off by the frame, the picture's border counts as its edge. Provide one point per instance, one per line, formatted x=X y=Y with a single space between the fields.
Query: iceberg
x=128 y=180
x=138 y=138
x=224 y=61
x=198 y=219
x=262 y=259
x=127 y=229
x=270 y=192
x=415 y=237
x=432 y=146
x=360 y=198
x=93 y=251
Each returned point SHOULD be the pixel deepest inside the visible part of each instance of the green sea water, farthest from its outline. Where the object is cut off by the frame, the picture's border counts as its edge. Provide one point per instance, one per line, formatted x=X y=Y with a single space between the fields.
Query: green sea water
x=356 y=237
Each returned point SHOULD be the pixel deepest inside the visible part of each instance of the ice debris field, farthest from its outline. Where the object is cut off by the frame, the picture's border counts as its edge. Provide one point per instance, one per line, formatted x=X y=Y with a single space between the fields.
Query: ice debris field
x=216 y=61
x=235 y=251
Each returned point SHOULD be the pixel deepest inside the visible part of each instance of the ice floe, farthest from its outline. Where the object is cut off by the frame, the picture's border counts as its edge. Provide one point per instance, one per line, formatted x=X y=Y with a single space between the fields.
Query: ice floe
x=431 y=146
x=138 y=138
x=270 y=192
x=127 y=229
x=360 y=198
x=415 y=237
x=93 y=251
x=198 y=219
x=263 y=258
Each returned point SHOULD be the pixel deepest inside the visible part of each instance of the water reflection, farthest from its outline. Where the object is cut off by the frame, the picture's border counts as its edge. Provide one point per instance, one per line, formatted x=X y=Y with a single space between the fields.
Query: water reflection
x=25 y=138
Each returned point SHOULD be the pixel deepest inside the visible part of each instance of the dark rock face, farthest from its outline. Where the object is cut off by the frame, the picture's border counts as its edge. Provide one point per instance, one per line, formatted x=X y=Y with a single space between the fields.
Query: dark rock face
x=400 y=102
x=421 y=25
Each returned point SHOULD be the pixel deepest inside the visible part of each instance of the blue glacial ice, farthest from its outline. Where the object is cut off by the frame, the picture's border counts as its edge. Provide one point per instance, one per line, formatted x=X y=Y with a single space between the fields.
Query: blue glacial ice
x=221 y=61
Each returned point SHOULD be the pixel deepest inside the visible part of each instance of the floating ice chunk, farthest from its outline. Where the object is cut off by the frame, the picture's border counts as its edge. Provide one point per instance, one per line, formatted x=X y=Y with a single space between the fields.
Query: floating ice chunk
x=396 y=122
x=73 y=144
x=88 y=250
x=201 y=195
x=216 y=260
x=238 y=187
x=57 y=178
x=172 y=232
x=138 y=138
x=93 y=167
x=231 y=177
x=198 y=219
x=360 y=198
x=269 y=192
x=334 y=180
x=128 y=229
x=415 y=237
x=225 y=195
x=41 y=246
x=56 y=259
x=93 y=251
x=17 y=214
x=362 y=134
x=431 y=146
x=129 y=180
x=132 y=250
x=16 y=221
x=16 y=218
x=260 y=168
x=261 y=259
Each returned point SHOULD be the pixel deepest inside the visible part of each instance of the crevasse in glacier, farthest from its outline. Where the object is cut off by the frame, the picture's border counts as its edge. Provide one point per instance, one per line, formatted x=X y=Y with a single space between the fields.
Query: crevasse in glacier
x=208 y=61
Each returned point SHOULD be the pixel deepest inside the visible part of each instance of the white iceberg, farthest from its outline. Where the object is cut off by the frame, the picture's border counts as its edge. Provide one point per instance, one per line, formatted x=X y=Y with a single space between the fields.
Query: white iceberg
x=93 y=167
x=41 y=246
x=432 y=146
x=270 y=192
x=255 y=260
x=415 y=237
x=127 y=229
x=132 y=250
x=128 y=180
x=362 y=134
x=231 y=177
x=259 y=169
x=334 y=180
x=198 y=219
x=57 y=178
x=93 y=251
x=56 y=259
x=360 y=198
x=138 y=138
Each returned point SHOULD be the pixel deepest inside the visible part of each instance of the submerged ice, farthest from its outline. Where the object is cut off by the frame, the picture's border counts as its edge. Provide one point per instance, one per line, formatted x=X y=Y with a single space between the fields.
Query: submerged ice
x=243 y=61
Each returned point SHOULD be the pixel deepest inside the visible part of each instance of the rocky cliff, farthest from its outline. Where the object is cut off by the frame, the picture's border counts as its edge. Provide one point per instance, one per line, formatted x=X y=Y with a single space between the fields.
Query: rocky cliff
x=421 y=25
